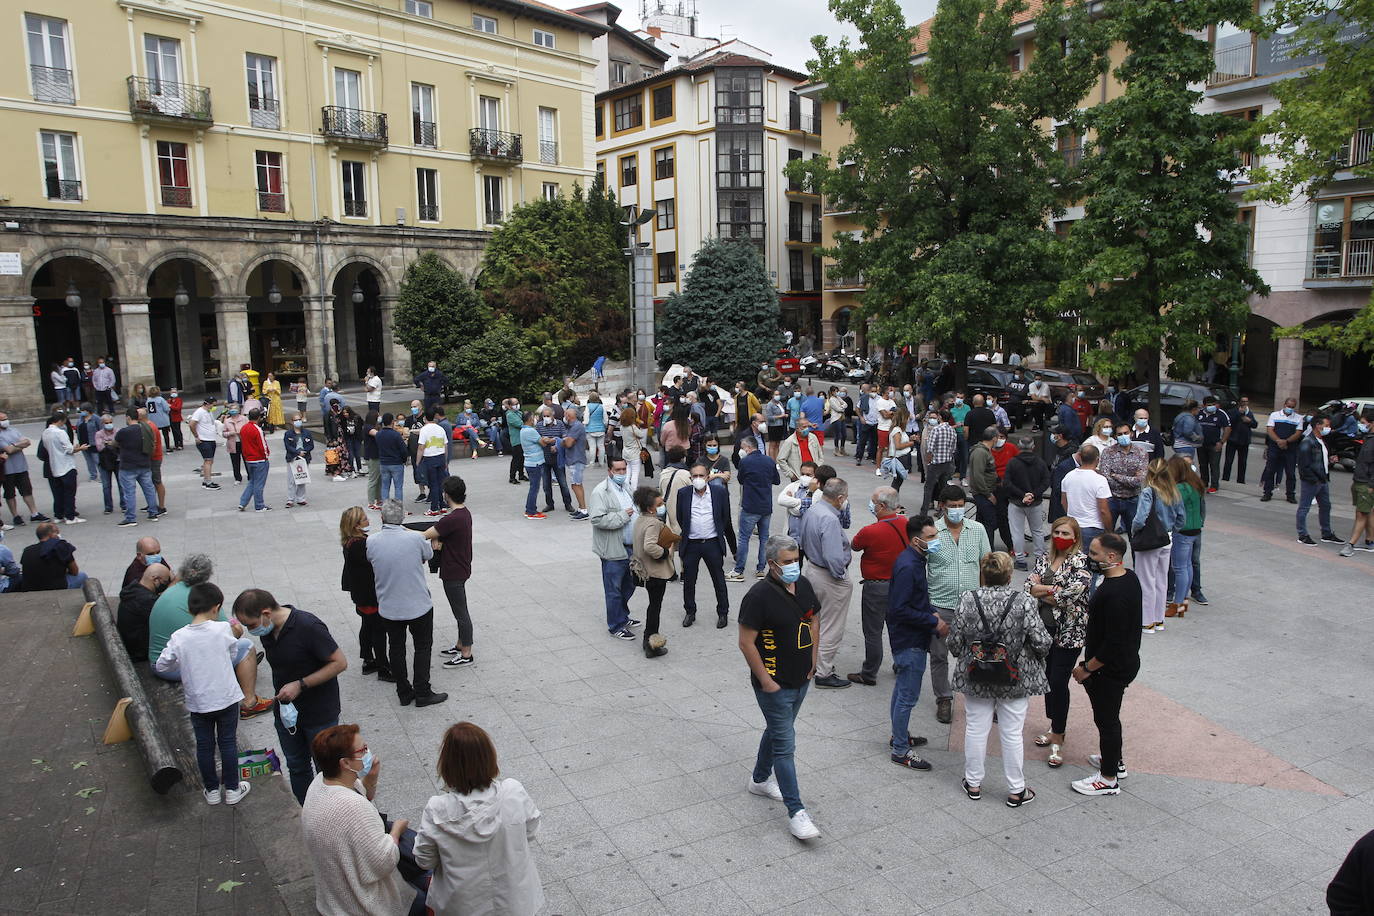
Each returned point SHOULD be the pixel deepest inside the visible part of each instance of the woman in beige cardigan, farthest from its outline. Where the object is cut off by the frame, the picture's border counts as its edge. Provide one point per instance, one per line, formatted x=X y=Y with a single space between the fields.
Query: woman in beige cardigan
x=652 y=561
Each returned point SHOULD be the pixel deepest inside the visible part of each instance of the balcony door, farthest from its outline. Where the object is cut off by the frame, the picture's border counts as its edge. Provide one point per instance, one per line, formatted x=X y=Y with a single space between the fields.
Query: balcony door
x=49 y=64
x=348 y=89
x=489 y=113
x=162 y=62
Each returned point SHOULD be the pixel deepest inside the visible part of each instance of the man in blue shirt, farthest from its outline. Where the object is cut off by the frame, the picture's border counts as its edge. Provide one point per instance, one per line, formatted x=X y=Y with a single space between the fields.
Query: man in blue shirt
x=532 y=454
x=1216 y=430
x=572 y=454
x=551 y=430
x=758 y=474
x=911 y=619
x=398 y=557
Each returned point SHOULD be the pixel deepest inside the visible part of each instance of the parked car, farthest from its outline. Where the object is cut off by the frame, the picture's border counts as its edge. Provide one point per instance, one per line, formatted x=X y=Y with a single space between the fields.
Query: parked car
x=982 y=380
x=1060 y=379
x=788 y=364
x=1173 y=395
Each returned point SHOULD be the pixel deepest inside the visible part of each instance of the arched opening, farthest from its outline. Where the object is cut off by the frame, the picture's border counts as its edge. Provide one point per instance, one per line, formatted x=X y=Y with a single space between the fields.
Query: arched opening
x=180 y=306
x=358 y=321
x=72 y=316
x=276 y=323
x=1328 y=374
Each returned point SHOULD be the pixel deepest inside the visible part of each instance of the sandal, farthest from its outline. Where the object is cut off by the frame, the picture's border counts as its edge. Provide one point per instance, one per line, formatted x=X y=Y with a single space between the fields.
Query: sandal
x=1056 y=758
x=1042 y=740
x=1024 y=797
x=973 y=792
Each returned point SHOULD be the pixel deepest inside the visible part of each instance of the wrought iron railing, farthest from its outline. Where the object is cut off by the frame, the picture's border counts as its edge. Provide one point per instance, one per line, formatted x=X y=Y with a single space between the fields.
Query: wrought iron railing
x=272 y=202
x=368 y=127
x=429 y=212
x=175 y=196
x=63 y=189
x=1358 y=151
x=355 y=207
x=264 y=113
x=1232 y=64
x=495 y=144
x=844 y=282
x=548 y=152
x=803 y=232
x=426 y=133
x=52 y=84
x=164 y=100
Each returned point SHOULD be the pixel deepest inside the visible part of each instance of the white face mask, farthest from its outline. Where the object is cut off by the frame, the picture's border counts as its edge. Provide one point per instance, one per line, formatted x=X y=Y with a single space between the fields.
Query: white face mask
x=805 y=480
x=698 y=483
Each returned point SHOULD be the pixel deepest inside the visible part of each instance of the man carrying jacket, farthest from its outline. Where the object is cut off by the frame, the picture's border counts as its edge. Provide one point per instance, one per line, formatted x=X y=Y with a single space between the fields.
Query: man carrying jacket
x=911 y=621
x=1314 y=470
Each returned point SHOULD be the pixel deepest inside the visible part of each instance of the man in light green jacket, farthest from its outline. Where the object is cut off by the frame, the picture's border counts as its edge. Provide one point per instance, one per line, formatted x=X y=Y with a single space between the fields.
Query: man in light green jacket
x=612 y=516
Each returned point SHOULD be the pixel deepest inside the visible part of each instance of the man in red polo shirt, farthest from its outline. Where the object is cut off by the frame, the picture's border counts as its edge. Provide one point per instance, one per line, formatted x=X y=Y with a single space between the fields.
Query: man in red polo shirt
x=881 y=542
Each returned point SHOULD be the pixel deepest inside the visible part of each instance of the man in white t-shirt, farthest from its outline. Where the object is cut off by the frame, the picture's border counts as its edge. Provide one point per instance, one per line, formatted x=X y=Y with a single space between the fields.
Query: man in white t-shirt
x=433 y=451
x=373 y=383
x=882 y=408
x=1087 y=496
x=202 y=425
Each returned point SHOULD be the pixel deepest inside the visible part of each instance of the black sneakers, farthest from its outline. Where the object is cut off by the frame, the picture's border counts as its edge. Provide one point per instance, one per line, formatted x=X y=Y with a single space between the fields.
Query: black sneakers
x=1305 y=539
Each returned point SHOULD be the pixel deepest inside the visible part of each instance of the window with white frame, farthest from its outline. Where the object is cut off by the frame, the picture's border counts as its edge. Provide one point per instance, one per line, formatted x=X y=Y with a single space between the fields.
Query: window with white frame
x=423 y=126
x=484 y=24
x=548 y=136
x=549 y=190
x=162 y=60
x=271 y=188
x=543 y=39
x=620 y=72
x=50 y=68
x=427 y=194
x=263 y=105
x=420 y=8
x=174 y=173
x=666 y=214
x=354 y=178
x=493 y=206
x=61 y=180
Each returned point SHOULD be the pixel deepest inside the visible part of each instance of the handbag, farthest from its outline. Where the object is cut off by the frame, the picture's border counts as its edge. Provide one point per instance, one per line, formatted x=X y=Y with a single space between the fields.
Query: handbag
x=1152 y=535
x=1046 y=607
x=300 y=471
x=990 y=659
x=667 y=538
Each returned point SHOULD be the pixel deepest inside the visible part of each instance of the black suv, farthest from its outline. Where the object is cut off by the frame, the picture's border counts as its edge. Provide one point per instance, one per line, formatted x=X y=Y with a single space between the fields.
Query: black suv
x=1173 y=395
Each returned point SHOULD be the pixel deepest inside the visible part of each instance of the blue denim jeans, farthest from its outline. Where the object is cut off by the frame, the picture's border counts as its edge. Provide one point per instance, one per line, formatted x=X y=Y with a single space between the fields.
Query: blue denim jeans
x=1321 y=492
x=535 y=472
x=109 y=481
x=619 y=585
x=217 y=730
x=435 y=469
x=127 y=481
x=910 y=665
x=393 y=481
x=1181 y=565
x=779 y=742
x=1123 y=513
x=748 y=524
x=299 y=765
x=257 y=482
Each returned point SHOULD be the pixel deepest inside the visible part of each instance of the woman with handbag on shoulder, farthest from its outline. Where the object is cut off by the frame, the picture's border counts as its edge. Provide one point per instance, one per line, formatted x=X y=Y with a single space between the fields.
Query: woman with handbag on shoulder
x=1059 y=583
x=1158 y=514
x=1000 y=643
x=652 y=561
x=1190 y=494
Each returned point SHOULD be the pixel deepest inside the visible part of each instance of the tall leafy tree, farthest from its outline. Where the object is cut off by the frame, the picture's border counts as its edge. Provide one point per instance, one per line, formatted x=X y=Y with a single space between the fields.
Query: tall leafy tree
x=437 y=310
x=951 y=172
x=1159 y=262
x=724 y=323
x=1309 y=134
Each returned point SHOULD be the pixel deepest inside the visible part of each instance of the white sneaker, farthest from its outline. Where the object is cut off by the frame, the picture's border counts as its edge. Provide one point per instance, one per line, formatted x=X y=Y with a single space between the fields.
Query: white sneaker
x=233 y=796
x=1095 y=785
x=76 y=520
x=1095 y=760
x=212 y=796
x=768 y=788
x=801 y=826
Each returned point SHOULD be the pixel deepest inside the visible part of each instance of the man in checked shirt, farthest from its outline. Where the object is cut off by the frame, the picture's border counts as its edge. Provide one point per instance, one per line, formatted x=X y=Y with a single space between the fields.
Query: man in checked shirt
x=938 y=443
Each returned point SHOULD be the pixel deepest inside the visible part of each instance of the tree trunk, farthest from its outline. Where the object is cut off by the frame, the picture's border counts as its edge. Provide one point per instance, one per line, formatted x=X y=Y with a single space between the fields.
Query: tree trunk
x=960 y=365
x=1152 y=379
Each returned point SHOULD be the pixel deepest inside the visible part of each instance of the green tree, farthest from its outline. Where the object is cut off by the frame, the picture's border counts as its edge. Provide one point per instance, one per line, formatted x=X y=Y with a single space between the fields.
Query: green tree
x=1309 y=134
x=437 y=310
x=497 y=364
x=724 y=323
x=952 y=172
x=1159 y=261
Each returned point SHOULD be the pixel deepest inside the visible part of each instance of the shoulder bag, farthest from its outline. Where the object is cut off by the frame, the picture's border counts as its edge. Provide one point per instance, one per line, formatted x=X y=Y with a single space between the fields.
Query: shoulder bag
x=1152 y=535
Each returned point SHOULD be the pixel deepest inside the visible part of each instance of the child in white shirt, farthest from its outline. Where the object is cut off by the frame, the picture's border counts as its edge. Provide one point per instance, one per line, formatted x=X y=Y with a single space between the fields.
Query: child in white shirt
x=203 y=651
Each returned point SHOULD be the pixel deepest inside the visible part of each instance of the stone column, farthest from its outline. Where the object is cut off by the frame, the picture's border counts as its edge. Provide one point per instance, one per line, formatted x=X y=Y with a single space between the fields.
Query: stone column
x=188 y=344
x=1288 y=370
x=135 y=339
x=346 y=337
x=332 y=360
x=21 y=375
x=92 y=320
x=316 y=340
x=231 y=332
x=398 y=368
x=827 y=334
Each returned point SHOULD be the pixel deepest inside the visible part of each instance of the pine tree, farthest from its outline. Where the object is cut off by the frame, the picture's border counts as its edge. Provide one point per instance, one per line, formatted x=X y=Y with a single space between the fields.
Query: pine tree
x=725 y=322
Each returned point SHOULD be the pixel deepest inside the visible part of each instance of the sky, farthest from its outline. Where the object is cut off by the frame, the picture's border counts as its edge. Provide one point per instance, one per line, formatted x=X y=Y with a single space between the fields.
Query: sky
x=783 y=27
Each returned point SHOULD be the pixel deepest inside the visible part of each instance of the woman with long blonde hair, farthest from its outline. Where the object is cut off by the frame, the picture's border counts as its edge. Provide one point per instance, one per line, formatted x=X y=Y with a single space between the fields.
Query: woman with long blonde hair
x=1059 y=582
x=1159 y=497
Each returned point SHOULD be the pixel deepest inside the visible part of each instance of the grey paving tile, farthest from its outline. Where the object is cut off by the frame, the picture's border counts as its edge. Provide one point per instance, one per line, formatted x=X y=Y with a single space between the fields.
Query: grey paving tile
x=710 y=898
x=609 y=889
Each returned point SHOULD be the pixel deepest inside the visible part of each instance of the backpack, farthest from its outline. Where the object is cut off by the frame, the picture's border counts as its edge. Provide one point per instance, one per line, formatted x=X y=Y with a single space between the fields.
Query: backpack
x=990 y=658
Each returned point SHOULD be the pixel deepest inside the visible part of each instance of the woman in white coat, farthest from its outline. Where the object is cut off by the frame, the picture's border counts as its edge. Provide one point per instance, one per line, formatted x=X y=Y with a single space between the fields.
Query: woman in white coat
x=476 y=835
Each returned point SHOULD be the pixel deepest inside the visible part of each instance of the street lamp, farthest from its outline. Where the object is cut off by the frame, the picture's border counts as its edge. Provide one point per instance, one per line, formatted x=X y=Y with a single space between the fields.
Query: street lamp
x=641 y=298
x=180 y=298
x=73 y=296
x=357 y=293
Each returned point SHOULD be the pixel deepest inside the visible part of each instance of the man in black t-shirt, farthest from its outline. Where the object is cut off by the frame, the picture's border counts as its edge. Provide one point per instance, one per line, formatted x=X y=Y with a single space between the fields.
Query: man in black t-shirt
x=777 y=636
x=50 y=564
x=1111 y=658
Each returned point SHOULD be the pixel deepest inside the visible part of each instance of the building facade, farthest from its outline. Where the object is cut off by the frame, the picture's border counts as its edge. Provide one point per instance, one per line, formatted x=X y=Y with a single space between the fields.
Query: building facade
x=192 y=187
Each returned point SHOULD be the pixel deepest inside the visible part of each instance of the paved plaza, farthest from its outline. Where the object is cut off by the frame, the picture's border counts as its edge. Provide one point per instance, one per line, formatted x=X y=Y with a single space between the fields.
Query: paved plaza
x=1248 y=734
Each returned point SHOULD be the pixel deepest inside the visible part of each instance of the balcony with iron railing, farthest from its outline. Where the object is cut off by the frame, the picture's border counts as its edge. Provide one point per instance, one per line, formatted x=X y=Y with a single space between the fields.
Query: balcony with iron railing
x=807 y=124
x=53 y=84
x=355 y=206
x=548 y=152
x=354 y=126
x=428 y=213
x=497 y=145
x=1231 y=65
x=1359 y=150
x=63 y=189
x=173 y=196
x=804 y=232
x=159 y=101
x=265 y=113
x=837 y=283
x=1353 y=260
x=425 y=133
x=271 y=202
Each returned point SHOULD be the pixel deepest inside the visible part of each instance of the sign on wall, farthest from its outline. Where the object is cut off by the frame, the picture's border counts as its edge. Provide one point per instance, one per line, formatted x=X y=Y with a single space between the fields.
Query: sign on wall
x=10 y=265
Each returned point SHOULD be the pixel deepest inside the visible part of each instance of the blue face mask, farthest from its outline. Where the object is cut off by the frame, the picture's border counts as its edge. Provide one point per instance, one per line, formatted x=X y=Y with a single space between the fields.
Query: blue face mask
x=1288 y=411
x=1326 y=430
x=415 y=411
x=298 y=424
x=154 y=559
x=262 y=630
x=713 y=450
x=1142 y=422
x=619 y=479
x=1211 y=408
x=661 y=511
x=955 y=516
x=368 y=760
x=932 y=546
x=958 y=402
x=1123 y=440
x=873 y=510
x=288 y=716
x=1363 y=428
x=789 y=572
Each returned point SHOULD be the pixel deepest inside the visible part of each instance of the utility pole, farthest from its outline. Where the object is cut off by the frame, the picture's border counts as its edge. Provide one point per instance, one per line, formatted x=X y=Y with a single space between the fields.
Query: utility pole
x=643 y=362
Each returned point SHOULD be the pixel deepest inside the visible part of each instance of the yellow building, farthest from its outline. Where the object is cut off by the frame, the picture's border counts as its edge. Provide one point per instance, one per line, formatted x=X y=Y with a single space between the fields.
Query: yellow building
x=192 y=186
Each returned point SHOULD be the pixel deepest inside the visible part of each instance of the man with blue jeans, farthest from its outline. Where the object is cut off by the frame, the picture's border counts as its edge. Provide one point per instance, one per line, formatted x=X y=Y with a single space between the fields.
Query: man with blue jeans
x=254 y=450
x=392 y=455
x=533 y=451
x=306 y=663
x=911 y=620
x=777 y=638
x=1314 y=472
x=612 y=515
x=135 y=468
x=758 y=474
